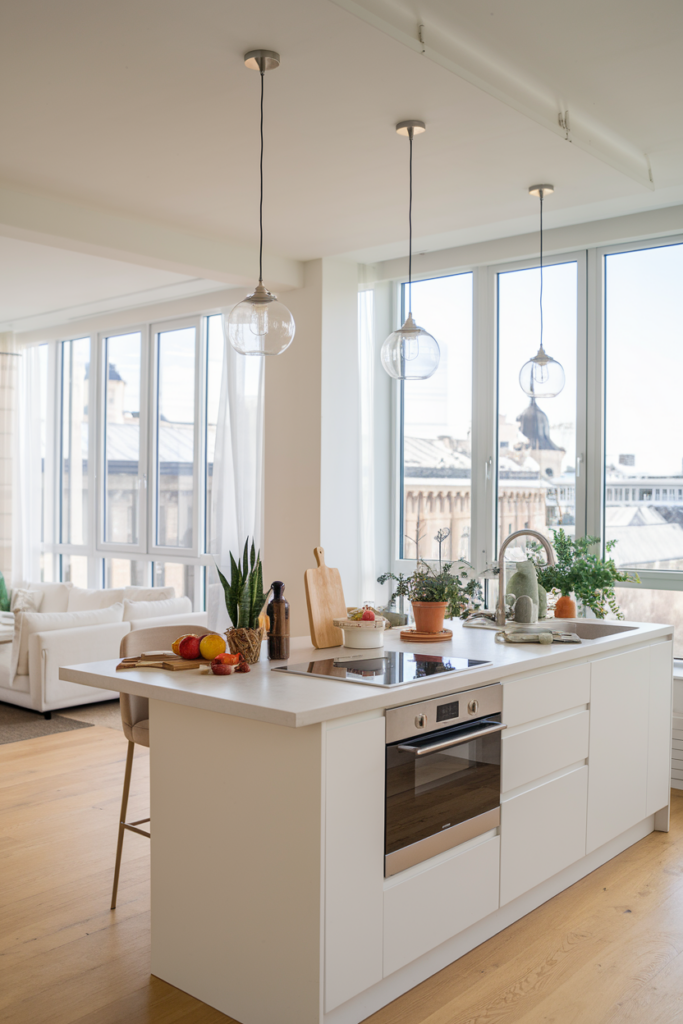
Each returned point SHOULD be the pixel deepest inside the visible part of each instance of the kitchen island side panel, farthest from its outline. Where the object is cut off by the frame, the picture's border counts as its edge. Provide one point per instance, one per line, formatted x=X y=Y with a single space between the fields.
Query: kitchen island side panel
x=236 y=873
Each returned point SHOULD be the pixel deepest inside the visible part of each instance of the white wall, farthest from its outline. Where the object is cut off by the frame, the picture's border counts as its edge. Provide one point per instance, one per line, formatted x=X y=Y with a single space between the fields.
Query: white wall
x=340 y=503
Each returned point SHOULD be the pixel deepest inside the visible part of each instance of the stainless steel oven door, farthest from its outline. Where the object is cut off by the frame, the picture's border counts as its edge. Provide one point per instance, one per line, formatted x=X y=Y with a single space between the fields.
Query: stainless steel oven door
x=442 y=789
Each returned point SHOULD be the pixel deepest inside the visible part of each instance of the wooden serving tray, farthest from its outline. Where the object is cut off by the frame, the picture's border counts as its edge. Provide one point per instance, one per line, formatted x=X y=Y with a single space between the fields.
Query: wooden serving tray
x=412 y=636
x=171 y=662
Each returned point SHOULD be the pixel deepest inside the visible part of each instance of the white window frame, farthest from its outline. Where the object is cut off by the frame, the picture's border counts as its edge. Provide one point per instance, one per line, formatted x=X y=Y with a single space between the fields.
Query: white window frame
x=591 y=404
x=110 y=549
x=650 y=579
x=96 y=550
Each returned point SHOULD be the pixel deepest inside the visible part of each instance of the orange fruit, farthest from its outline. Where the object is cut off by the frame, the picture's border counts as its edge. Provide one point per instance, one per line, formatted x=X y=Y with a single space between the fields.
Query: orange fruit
x=211 y=645
x=176 y=643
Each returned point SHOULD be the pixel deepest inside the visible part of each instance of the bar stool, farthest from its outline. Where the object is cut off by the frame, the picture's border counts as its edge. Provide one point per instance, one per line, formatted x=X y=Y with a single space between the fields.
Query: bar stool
x=135 y=720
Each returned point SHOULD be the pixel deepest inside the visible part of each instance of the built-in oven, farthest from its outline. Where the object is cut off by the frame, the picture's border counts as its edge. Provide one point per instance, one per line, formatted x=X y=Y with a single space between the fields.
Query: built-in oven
x=442 y=774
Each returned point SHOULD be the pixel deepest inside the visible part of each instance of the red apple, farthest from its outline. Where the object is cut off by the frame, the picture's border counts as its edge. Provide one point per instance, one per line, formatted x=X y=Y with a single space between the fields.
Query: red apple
x=368 y=615
x=188 y=647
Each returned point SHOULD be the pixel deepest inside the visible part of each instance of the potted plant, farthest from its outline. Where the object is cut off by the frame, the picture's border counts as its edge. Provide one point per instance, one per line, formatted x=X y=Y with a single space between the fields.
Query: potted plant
x=437 y=593
x=245 y=599
x=583 y=573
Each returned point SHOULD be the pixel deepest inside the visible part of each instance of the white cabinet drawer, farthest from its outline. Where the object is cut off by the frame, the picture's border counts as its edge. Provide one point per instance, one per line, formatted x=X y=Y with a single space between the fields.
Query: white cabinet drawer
x=525 y=700
x=542 y=831
x=424 y=910
x=543 y=749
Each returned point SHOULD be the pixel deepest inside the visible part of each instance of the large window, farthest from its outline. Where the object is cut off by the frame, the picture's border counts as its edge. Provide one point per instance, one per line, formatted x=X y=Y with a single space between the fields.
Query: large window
x=643 y=417
x=643 y=477
x=122 y=474
x=74 y=465
x=149 y=398
x=603 y=457
x=536 y=437
x=437 y=425
x=175 y=437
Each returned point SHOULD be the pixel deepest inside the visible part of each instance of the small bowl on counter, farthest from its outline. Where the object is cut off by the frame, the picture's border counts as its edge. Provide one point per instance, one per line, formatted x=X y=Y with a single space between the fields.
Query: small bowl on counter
x=362 y=634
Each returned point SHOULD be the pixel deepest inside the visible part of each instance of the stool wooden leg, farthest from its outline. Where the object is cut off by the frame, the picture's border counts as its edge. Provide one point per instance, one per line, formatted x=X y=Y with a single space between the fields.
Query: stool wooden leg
x=124 y=808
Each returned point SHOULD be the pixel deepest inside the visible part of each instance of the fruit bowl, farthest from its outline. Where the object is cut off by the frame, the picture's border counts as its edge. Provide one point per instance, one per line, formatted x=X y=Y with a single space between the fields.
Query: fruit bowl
x=362 y=634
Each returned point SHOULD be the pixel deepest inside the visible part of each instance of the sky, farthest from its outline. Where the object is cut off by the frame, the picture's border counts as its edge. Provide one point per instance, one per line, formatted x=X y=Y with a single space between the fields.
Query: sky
x=443 y=306
x=644 y=344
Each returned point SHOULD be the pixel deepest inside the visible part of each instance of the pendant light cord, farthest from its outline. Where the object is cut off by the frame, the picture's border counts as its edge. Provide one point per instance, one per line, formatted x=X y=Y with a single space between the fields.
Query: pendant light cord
x=410 y=228
x=541 y=248
x=260 y=251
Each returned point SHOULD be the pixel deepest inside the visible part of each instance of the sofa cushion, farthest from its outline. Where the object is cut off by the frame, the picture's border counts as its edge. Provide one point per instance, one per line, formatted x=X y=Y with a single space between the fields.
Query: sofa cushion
x=148 y=593
x=133 y=610
x=81 y=600
x=28 y=623
x=55 y=596
x=26 y=600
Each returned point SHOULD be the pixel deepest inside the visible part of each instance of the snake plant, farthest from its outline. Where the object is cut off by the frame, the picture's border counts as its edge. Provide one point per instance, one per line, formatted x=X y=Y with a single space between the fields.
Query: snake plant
x=244 y=596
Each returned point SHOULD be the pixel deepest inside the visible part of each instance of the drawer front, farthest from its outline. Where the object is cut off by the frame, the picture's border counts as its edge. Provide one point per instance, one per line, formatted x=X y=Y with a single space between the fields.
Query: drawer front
x=428 y=908
x=543 y=749
x=525 y=700
x=542 y=831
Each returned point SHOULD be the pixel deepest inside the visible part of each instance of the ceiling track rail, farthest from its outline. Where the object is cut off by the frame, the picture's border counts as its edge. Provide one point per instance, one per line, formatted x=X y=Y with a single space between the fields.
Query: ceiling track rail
x=639 y=171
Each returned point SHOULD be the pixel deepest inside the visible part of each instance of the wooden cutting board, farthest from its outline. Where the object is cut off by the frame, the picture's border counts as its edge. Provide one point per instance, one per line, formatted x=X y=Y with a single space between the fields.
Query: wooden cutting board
x=325 y=600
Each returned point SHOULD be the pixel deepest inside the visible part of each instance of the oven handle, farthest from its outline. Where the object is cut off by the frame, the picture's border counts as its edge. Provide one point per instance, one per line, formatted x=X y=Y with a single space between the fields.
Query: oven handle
x=444 y=744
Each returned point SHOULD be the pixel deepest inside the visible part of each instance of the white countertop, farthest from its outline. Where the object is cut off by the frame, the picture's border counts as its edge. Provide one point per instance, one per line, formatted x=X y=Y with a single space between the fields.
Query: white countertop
x=296 y=700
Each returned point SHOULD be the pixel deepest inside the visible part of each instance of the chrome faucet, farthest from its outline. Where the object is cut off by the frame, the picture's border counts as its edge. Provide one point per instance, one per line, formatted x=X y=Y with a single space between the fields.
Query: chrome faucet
x=500 y=609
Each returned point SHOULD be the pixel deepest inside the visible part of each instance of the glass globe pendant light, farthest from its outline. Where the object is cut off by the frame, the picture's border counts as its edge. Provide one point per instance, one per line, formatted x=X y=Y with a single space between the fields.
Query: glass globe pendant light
x=542 y=376
x=260 y=325
x=410 y=353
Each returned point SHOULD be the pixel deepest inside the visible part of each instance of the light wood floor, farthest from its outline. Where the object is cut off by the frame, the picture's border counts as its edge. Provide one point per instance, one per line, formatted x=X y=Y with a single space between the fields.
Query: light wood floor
x=608 y=950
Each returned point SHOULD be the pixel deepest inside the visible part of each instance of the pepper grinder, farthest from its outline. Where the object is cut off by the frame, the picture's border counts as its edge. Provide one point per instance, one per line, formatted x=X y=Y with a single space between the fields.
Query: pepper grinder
x=278 y=630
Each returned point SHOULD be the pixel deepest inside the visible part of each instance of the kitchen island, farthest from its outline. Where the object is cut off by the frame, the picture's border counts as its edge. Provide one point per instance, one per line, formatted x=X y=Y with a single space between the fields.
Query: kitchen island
x=269 y=895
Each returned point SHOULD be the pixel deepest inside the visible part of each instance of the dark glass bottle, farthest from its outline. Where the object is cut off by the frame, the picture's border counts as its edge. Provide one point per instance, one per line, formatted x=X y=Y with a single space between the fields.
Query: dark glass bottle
x=278 y=629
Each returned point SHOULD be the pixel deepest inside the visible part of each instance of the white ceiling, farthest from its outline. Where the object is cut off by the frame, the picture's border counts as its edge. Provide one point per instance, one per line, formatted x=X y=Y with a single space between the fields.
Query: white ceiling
x=145 y=107
x=41 y=285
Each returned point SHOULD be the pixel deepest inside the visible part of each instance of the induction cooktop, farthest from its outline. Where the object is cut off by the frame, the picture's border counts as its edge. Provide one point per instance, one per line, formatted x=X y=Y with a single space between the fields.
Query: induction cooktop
x=393 y=668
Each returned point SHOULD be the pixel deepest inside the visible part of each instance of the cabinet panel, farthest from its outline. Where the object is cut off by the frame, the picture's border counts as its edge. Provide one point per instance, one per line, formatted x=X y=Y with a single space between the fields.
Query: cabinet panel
x=525 y=700
x=354 y=859
x=618 y=754
x=542 y=832
x=659 y=726
x=543 y=749
x=426 y=909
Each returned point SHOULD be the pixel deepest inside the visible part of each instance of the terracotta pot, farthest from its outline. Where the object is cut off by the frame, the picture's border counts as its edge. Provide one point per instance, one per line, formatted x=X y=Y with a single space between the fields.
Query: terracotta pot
x=565 y=608
x=429 y=615
x=247 y=642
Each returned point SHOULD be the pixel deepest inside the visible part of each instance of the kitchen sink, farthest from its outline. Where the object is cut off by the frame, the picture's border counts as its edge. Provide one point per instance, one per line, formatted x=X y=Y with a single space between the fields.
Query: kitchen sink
x=589 y=630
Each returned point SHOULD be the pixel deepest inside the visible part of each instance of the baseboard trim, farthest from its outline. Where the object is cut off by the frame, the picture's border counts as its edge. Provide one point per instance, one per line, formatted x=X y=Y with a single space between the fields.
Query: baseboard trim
x=385 y=991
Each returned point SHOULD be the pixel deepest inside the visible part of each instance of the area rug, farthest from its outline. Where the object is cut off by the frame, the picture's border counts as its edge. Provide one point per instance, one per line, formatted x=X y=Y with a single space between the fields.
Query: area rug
x=106 y=713
x=18 y=724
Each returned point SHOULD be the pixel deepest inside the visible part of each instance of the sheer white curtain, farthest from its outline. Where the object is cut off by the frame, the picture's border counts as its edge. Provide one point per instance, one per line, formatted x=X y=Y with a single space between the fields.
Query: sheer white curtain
x=237 y=490
x=27 y=492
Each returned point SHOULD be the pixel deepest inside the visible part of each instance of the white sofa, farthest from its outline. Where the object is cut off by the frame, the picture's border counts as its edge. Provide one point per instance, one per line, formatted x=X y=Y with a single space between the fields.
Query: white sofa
x=72 y=626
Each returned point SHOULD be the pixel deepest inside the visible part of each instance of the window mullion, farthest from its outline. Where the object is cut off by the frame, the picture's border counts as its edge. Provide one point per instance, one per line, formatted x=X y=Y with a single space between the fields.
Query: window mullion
x=484 y=433
x=595 y=394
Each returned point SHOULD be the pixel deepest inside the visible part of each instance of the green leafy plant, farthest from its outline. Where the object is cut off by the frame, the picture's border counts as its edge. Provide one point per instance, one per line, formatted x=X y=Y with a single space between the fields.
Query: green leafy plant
x=460 y=589
x=584 y=573
x=244 y=596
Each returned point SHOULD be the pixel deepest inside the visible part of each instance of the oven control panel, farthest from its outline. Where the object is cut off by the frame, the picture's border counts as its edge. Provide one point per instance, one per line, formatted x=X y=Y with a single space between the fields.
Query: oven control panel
x=453 y=709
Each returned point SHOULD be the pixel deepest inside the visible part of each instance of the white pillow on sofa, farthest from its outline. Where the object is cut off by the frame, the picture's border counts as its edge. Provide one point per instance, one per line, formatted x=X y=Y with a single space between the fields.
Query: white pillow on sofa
x=148 y=593
x=26 y=600
x=133 y=610
x=55 y=596
x=81 y=600
x=27 y=623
